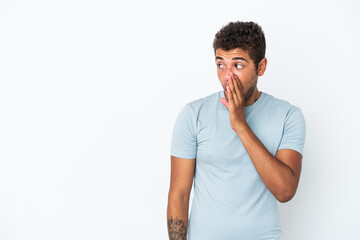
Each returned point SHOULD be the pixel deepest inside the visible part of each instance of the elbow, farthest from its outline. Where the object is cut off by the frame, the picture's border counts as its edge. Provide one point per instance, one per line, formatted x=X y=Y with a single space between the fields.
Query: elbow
x=284 y=199
x=286 y=195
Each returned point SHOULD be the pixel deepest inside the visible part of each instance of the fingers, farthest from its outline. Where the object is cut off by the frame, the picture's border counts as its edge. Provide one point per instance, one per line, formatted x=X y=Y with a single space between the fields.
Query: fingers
x=239 y=87
x=232 y=84
x=236 y=88
x=230 y=96
x=226 y=103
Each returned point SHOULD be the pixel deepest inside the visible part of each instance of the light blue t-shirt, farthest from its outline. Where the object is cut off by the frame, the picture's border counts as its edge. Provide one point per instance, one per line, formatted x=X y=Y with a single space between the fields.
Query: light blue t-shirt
x=231 y=202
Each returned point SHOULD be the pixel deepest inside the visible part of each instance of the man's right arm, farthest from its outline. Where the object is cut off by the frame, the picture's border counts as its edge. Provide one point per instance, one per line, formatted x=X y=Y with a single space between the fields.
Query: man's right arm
x=182 y=175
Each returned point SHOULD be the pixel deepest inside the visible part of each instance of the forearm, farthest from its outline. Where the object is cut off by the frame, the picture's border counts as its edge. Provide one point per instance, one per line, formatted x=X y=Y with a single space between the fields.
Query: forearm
x=177 y=217
x=277 y=176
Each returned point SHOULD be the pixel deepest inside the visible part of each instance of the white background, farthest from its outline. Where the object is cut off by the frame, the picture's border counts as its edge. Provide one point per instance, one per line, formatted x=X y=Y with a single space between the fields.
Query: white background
x=89 y=92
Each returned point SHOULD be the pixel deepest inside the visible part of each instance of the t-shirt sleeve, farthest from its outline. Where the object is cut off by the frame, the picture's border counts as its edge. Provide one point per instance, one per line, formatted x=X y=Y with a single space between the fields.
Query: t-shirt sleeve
x=184 y=140
x=294 y=130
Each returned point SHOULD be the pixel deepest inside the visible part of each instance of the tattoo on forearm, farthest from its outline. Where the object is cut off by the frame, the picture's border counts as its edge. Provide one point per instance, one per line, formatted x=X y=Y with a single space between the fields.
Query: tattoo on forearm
x=177 y=229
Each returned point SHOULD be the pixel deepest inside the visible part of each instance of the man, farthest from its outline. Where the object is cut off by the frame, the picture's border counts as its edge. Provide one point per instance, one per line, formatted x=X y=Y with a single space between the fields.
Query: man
x=243 y=148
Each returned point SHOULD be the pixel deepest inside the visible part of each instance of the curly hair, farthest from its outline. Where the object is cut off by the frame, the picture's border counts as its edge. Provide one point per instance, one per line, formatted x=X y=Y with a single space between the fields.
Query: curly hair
x=248 y=36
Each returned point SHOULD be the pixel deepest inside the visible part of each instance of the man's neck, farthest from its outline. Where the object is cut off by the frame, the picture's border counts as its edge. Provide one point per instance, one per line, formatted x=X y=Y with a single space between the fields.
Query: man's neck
x=253 y=98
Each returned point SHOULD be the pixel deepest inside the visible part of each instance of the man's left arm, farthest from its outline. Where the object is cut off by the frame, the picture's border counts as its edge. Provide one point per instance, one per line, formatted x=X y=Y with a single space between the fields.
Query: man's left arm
x=280 y=173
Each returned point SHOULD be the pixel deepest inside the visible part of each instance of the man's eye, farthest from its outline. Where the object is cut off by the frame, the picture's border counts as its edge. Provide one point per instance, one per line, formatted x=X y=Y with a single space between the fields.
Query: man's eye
x=238 y=65
x=220 y=65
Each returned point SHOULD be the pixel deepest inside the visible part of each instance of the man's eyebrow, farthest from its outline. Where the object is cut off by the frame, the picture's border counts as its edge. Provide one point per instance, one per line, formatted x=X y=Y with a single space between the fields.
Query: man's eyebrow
x=235 y=58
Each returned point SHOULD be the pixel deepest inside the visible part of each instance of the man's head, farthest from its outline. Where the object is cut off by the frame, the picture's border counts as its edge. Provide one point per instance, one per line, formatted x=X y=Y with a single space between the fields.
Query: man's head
x=239 y=49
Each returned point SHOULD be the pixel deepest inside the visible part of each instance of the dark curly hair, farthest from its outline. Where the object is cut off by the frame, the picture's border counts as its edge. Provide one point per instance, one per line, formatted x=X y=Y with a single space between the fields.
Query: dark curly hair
x=248 y=36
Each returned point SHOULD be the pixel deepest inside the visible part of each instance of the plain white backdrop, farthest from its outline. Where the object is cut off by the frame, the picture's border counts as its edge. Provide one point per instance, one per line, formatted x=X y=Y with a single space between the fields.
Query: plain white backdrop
x=89 y=92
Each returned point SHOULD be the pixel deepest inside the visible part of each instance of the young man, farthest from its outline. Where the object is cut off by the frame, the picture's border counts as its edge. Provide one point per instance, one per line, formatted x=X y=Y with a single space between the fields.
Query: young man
x=243 y=148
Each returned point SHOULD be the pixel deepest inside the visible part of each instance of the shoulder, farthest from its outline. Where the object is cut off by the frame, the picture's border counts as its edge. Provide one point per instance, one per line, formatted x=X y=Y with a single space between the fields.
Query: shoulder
x=200 y=104
x=189 y=115
x=281 y=105
x=290 y=115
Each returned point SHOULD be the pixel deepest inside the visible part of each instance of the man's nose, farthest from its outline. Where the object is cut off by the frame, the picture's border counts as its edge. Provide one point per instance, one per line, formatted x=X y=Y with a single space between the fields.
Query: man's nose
x=229 y=73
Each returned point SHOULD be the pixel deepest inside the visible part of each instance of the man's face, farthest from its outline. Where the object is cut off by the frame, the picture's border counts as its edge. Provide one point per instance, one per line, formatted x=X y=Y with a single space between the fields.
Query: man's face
x=238 y=62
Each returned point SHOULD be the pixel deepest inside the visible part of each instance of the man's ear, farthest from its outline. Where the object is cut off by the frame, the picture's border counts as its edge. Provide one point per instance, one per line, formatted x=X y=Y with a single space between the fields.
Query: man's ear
x=262 y=67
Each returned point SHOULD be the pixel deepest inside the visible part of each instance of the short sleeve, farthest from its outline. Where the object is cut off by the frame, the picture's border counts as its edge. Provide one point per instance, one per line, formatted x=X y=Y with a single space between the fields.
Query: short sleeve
x=184 y=140
x=294 y=130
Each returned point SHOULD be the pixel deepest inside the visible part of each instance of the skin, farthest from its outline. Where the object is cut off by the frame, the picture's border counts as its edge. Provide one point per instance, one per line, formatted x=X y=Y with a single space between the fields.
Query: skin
x=243 y=69
x=181 y=180
x=238 y=76
x=177 y=229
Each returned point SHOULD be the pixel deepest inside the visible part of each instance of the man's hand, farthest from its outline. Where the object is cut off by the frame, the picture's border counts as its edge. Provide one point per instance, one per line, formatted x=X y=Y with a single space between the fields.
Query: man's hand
x=235 y=94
